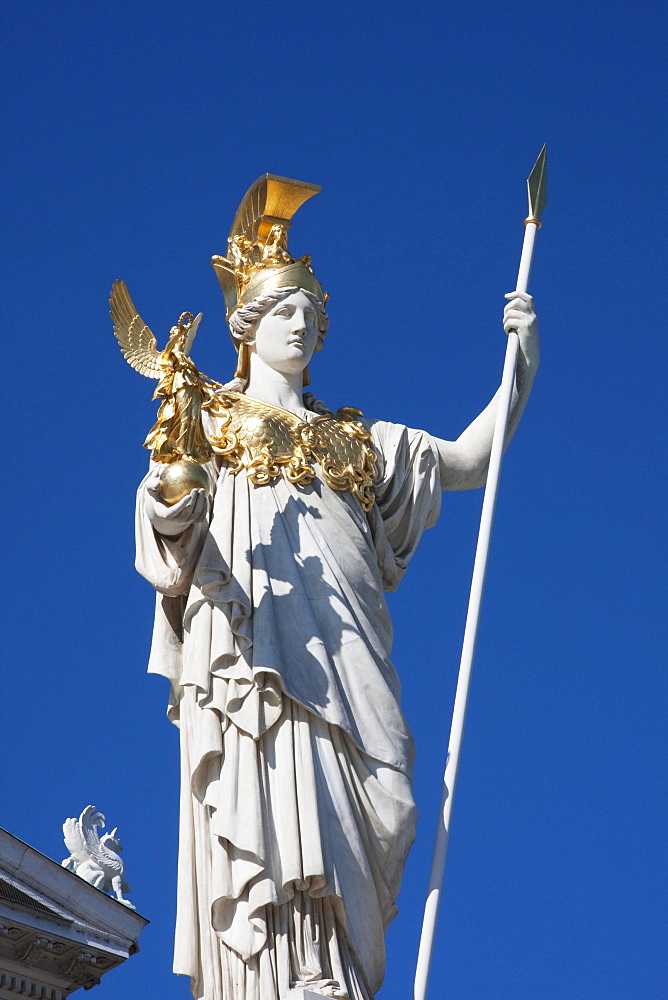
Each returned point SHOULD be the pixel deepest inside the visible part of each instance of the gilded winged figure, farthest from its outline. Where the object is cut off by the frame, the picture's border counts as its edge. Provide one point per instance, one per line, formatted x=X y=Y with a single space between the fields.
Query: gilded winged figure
x=178 y=433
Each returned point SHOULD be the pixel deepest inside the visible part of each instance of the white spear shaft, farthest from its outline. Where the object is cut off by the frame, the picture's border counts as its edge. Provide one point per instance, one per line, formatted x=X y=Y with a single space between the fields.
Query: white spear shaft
x=537 y=199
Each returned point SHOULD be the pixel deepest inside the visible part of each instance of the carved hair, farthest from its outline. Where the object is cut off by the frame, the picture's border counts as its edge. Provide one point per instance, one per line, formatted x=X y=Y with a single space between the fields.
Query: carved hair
x=311 y=402
x=243 y=321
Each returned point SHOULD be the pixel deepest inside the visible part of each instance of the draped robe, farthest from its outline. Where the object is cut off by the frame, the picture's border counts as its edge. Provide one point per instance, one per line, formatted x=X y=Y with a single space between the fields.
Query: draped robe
x=296 y=807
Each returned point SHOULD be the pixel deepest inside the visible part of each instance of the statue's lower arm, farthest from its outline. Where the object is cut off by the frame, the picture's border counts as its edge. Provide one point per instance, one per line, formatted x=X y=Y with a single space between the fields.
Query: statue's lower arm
x=464 y=462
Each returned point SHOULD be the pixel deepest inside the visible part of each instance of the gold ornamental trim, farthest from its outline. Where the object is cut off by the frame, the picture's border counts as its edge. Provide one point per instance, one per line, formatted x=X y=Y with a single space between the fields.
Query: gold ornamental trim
x=257 y=259
x=266 y=442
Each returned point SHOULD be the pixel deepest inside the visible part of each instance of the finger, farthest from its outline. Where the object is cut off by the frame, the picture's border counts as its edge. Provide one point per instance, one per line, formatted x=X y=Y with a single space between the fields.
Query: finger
x=516 y=326
x=155 y=492
x=200 y=507
x=196 y=504
x=197 y=495
x=525 y=318
x=518 y=319
x=526 y=307
x=516 y=323
x=183 y=507
x=518 y=295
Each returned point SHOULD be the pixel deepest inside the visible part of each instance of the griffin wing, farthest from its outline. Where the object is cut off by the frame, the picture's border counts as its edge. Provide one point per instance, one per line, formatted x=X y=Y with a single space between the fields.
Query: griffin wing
x=91 y=818
x=138 y=344
x=74 y=841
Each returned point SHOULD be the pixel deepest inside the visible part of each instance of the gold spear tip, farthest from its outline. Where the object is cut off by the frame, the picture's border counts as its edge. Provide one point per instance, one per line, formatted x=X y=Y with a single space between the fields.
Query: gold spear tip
x=537 y=187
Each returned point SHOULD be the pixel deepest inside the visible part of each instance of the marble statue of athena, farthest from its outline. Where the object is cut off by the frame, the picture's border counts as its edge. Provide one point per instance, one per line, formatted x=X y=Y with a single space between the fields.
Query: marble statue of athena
x=296 y=811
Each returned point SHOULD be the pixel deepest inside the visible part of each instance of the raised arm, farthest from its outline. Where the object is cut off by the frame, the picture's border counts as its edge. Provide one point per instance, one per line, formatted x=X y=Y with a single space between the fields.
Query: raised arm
x=464 y=462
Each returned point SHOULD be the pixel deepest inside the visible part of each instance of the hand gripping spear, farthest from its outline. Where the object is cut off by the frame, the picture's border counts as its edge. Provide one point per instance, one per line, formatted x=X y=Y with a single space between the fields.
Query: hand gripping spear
x=537 y=185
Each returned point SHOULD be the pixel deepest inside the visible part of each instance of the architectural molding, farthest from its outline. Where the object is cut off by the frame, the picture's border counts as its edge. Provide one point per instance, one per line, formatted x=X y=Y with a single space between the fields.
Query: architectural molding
x=58 y=933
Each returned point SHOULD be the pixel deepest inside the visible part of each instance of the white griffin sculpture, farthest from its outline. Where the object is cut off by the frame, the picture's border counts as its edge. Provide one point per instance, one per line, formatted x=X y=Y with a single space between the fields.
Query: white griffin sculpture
x=94 y=858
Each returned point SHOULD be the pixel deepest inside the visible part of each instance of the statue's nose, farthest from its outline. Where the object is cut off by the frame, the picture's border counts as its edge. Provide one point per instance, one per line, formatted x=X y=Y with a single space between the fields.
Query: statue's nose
x=298 y=322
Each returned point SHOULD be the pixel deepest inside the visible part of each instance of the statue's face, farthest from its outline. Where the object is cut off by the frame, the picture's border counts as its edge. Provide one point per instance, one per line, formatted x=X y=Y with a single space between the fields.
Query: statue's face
x=286 y=336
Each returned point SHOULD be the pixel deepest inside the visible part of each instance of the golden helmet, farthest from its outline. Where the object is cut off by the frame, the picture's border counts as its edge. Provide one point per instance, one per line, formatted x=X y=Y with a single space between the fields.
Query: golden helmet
x=257 y=259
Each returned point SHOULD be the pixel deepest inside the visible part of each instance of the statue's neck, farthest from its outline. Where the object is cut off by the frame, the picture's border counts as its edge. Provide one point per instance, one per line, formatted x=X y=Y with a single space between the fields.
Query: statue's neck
x=276 y=388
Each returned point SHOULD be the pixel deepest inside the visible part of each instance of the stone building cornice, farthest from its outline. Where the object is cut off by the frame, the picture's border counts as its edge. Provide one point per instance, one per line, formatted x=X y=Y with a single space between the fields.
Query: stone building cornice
x=57 y=932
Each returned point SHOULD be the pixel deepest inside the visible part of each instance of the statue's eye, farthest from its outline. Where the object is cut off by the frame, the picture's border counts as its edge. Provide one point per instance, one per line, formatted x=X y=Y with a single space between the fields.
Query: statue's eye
x=283 y=311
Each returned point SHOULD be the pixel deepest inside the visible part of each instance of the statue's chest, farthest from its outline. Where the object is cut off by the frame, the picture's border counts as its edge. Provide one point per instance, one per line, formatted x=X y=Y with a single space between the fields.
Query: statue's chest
x=266 y=442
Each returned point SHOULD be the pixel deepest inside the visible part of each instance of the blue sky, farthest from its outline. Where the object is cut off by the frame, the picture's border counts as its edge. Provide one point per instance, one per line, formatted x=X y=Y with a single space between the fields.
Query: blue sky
x=131 y=133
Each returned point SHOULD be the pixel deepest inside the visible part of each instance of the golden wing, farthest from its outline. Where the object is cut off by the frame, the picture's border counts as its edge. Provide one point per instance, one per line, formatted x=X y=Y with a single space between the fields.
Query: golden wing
x=192 y=330
x=138 y=344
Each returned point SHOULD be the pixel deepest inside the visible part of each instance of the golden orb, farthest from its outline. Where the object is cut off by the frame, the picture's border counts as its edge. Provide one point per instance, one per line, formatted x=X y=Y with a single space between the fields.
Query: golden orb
x=178 y=478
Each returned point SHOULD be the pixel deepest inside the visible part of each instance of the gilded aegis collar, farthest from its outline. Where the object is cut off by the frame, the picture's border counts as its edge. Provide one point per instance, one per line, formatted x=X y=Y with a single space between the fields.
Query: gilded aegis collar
x=266 y=441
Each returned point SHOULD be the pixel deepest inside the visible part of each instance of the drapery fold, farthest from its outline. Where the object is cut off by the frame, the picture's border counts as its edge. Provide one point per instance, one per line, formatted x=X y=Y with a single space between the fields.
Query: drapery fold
x=296 y=759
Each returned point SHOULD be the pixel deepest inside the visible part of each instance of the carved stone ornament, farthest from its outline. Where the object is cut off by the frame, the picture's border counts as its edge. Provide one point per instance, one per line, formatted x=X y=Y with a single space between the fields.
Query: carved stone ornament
x=81 y=969
x=95 y=859
x=53 y=923
x=16 y=985
x=34 y=950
